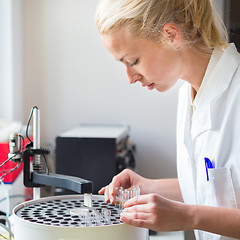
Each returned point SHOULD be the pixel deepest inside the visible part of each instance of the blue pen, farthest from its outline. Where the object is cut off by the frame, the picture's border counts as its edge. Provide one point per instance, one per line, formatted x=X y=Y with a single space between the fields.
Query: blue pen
x=208 y=164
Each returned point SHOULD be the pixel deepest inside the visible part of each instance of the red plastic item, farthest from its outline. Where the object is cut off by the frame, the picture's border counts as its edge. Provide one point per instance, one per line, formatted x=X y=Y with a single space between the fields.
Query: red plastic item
x=4 y=150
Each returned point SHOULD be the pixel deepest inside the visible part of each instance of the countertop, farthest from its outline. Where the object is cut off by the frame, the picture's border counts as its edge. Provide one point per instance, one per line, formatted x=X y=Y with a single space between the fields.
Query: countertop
x=168 y=236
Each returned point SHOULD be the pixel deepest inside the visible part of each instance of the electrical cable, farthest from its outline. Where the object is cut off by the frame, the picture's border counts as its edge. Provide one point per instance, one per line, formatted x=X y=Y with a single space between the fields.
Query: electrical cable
x=7 y=197
x=7 y=220
x=22 y=145
x=2 y=236
x=7 y=160
x=16 y=196
x=29 y=119
x=8 y=230
x=47 y=169
x=11 y=170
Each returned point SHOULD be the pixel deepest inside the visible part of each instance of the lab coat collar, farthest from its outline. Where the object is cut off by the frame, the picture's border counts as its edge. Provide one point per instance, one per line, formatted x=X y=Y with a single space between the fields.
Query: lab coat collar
x=215 y=82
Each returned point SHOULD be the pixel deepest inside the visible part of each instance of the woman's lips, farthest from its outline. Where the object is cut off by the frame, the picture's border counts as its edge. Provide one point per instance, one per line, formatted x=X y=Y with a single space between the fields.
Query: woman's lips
x=150 y=86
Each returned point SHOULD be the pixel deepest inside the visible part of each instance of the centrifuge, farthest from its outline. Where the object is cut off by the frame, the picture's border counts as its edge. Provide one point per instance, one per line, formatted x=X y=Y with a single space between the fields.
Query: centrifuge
x=66 y=218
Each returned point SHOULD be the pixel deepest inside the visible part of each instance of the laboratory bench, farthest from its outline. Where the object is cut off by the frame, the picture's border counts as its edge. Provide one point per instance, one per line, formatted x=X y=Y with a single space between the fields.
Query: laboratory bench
x=168 y=236
x=159 y=236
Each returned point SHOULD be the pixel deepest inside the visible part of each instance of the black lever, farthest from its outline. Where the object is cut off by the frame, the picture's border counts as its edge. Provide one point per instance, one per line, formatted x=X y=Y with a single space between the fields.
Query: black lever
x=36 y=179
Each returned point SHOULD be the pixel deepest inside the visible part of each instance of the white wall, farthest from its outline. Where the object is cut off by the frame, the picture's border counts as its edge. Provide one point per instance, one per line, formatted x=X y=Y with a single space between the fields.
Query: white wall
x=220 y=5
x=17 y=60
x=74 y=80
x=11 y=60
x=6 y=95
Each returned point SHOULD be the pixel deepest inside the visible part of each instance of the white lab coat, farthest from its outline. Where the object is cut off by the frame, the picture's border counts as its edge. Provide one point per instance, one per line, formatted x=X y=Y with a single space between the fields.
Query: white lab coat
x=210 y=127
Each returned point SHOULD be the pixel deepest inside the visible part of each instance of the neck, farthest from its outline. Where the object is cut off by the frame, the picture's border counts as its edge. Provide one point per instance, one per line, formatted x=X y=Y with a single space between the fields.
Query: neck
x=195 y=68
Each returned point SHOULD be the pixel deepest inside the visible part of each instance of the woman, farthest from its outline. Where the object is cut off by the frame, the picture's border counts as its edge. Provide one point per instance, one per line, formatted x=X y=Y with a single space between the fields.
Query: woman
x=159 y=42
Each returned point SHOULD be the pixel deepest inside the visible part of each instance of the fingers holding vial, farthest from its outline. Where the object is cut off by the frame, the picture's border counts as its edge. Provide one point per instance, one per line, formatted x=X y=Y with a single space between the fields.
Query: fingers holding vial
x=156 y=212
x=123 y=195
x=126 y=179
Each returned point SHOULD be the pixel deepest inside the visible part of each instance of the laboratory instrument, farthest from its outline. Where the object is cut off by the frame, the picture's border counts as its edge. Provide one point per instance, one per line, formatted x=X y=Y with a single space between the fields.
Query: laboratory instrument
x=103 y=149
x=67 y=217
x=34 y=176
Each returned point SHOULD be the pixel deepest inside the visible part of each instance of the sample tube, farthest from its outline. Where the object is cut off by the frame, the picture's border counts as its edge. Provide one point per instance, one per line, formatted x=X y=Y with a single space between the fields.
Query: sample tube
x=125 y=196
x=120 y=197
x=106 y=215
x=86 y=217
x=96 y=217
x=138 y=191
x=134 y=191
x=117 y=202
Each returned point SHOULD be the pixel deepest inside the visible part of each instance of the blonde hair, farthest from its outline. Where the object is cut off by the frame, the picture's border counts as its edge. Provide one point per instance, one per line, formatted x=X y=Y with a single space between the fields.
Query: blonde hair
x=198 y=21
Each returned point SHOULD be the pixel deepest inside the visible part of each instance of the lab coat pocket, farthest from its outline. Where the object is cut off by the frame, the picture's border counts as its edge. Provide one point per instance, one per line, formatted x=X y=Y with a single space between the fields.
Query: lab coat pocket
x=221 y=186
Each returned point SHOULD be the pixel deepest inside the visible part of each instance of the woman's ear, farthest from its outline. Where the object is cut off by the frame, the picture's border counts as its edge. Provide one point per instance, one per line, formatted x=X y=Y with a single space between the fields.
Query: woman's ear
x=172 y=35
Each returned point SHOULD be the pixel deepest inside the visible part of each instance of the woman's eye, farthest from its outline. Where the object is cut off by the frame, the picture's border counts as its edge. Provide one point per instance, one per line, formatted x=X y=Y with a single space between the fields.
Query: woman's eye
x=134 y=63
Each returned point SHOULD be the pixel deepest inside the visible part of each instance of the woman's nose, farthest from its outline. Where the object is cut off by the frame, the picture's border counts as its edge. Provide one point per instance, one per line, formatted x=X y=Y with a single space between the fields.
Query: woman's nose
x=131 y=80
x=132 y=76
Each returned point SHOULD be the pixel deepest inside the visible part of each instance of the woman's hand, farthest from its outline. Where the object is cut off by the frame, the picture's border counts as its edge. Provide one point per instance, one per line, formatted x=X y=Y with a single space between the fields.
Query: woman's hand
x=157 y=213
x=126 y=179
